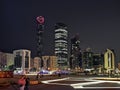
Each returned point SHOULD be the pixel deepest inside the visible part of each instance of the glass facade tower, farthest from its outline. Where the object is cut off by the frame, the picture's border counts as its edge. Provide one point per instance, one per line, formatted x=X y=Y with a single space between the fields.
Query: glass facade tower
x=75 y=51
x=61 y=44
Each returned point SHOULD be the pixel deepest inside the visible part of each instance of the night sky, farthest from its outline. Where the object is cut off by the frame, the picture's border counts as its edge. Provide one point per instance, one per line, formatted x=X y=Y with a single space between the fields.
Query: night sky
x=96 y=21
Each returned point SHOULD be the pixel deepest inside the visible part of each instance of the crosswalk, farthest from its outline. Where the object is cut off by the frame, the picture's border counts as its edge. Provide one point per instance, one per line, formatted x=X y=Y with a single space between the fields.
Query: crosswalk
x=85 y=83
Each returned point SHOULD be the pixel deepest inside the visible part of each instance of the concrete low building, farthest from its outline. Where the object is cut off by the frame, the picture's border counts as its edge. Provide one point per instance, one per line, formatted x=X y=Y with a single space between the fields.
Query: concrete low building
x=49 y=63
x=6 y=60
x=22 y=59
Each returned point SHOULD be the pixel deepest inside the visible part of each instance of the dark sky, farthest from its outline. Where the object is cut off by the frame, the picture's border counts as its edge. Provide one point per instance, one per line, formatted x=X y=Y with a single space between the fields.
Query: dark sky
x=96 y=21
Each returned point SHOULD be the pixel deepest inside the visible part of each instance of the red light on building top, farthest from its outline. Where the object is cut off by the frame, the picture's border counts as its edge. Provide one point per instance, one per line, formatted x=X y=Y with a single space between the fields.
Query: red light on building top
x=40 y=19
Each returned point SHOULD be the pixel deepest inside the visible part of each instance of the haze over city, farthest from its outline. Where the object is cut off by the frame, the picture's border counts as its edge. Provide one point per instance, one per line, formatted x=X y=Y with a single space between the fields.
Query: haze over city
x=96 y=21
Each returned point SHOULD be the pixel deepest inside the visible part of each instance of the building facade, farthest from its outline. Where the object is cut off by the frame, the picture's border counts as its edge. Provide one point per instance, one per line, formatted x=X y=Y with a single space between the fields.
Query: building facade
x=10 y=59
x=98 y=62
x=61 y=45
x=75 y=52
x=6 y=60
x=109 y=60
x=3 y=60
x=36 y=63
x=88 y=59
x=40 y=31
x=22 y=59
x=49 y=63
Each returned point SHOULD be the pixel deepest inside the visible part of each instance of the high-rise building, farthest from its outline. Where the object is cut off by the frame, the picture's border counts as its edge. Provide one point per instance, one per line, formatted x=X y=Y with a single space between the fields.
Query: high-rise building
x=22 y=59
x=75 y=52
x=109 y=61
x=61 y=45
x=40 y=30
x=88 y=59
x=98 y=62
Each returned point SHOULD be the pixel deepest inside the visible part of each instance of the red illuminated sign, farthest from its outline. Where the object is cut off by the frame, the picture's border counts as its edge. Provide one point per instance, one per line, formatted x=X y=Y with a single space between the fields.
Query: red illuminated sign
x=40 y=19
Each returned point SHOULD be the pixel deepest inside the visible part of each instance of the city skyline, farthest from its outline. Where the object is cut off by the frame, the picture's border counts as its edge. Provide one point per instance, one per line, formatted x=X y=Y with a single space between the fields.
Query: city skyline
x=97 y=23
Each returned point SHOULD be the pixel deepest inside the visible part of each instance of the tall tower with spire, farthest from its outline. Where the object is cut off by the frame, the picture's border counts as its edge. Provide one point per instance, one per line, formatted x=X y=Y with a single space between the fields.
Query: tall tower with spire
x=40 y=30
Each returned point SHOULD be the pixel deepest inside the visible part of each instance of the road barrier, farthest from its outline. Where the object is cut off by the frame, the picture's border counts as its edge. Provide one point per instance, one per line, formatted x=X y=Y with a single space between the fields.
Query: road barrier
x=6 y=74
x=33 y=82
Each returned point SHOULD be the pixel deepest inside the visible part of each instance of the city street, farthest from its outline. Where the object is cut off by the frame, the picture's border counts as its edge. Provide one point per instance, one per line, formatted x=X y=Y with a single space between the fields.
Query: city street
x=74 y=83
x=87 y=83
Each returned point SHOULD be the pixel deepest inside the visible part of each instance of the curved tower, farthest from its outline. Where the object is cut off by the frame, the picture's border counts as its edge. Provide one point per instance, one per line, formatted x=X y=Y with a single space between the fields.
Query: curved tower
x=40 y=30
x=109 y=60
x=61 y=45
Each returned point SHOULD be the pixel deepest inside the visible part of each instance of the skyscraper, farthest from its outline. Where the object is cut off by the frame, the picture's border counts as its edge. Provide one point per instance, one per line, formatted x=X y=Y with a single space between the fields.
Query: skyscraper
x=61 y=45
x=88 y=59
x=40 y=30
x=98 y=61
x=75 y=51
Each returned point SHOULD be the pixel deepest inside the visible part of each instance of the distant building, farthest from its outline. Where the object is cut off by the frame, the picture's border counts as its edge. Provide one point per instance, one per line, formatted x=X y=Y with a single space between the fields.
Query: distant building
x=61 y=45
x=46 y=62
x=31 y=62
x=36 y=62
x=10 y=59
x=98 y=62
x=3 y=60
x=49 y=63
x=22 y=59
x=6 y=59
x=109 y=60
x=75 y=52
x=88 y=59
